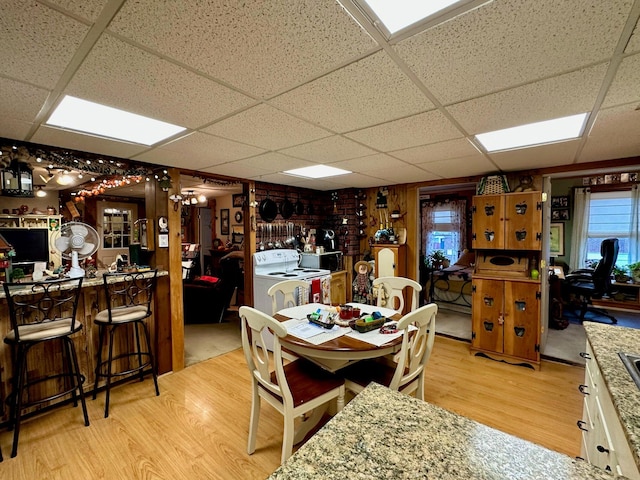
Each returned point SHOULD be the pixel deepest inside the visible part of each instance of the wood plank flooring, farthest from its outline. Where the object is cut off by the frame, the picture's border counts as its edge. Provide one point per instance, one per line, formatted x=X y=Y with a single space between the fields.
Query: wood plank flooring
x=197 y=427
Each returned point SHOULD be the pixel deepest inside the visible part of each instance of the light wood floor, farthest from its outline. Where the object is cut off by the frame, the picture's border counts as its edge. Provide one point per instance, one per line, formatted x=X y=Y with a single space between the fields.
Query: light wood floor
x=198 y=426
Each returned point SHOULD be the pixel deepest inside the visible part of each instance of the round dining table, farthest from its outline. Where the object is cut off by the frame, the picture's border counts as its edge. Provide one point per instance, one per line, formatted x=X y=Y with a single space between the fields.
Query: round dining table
x=339 y=352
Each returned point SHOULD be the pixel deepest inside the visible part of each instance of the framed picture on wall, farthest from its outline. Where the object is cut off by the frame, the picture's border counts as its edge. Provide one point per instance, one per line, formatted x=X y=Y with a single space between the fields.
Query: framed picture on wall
x=238 y=200
x=560 y=208
x=556 y=239
x=224 y=221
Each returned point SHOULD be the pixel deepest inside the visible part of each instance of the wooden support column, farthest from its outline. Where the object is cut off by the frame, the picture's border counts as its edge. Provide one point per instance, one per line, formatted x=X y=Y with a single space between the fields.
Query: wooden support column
x=249 y=214
x=169 y=315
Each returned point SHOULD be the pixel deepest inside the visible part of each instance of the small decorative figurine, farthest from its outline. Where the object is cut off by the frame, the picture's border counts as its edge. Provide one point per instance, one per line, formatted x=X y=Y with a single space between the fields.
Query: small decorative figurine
x=362 y=286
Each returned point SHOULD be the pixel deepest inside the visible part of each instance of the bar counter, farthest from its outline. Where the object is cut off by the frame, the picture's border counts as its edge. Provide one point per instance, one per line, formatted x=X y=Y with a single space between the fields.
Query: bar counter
x=92 y=300
x=382 y=434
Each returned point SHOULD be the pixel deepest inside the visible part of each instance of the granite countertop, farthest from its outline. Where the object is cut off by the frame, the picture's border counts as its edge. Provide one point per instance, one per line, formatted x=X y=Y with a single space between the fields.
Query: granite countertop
x=97 y=281
x=382 y=434
x=606 y=341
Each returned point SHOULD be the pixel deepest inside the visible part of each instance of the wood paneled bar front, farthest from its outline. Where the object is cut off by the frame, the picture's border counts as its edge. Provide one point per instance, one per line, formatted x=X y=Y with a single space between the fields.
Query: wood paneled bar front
x=91 y=302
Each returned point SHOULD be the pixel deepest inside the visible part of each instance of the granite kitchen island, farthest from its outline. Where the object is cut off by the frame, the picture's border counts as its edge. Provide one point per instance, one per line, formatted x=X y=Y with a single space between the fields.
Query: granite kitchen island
x=385 y=434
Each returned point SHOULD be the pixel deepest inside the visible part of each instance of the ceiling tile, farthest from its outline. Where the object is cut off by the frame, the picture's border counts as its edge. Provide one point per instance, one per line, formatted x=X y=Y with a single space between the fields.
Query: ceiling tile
x=232 y=169
x=85 y=143
x=273 y=162
x=371 y=91
x=20 y=101
x=406 y=174
x=260 y=47
x=266 y=127
x=89 y=9
x=437 y=151
x=424 y=128
x=625 y=87
x=555 y=97
x=370 y=163
x=506 y=43
x=11 y=128
x=197 y=151
x=37 y=42
x=459 y=167
x=616 y=134
x=329 y=150
x=634 y=42
x=122 y=76
x=552 y=155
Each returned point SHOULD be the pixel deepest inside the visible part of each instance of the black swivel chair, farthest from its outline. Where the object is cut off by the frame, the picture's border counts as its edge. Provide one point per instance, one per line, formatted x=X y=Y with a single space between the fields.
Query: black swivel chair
x=587 y=284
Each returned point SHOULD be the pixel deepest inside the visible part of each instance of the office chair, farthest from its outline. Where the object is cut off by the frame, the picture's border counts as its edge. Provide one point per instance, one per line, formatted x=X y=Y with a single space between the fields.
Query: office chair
x=587 y=284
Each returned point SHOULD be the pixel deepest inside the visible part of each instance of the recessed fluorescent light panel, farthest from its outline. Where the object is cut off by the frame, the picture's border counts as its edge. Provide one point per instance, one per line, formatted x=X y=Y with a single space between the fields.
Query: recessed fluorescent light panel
x=88 y=117
x=397 y=15
x=317 y=171
x=548 y=131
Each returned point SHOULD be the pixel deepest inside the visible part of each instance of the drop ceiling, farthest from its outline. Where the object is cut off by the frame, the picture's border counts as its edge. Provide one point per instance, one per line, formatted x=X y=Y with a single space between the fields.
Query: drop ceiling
x=267 y=86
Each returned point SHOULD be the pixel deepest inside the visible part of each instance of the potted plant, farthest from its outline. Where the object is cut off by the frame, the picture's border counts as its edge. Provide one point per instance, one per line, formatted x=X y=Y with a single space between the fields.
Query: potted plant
x=634 y=269
x=620 y=274
x=437 y=260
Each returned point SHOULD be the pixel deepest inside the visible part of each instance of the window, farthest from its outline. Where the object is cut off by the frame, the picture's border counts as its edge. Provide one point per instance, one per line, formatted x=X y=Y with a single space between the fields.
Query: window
x=444 y=237
x=117 y=226
x=444 y=227
x=609 y=217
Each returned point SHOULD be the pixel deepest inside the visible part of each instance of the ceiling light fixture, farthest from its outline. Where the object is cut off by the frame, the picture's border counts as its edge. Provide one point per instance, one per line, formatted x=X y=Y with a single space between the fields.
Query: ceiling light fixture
x=40 y=193
x=317 y=171
x=538 y=133
x=92 y=118
x=395 y=18
x=64 y=179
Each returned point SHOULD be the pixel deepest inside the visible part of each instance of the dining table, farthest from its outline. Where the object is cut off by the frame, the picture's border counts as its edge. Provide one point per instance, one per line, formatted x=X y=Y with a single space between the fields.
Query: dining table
x=336 y=348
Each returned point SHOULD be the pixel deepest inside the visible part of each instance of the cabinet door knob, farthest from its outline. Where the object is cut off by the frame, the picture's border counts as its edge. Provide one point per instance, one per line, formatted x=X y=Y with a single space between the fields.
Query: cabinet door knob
x=585 y=355
x=601 y=449
x=582 y=389
x=581 y=425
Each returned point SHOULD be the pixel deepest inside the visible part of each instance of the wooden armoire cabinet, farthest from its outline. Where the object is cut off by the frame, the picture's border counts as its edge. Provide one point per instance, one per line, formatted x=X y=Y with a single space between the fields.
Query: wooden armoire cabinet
x=506 y=317
x=505 y=311
x=511 y=221
x=391 y=260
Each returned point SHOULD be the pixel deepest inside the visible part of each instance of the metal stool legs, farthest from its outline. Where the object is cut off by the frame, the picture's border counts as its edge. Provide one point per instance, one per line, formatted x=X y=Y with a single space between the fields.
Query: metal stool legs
x=139 y=354
x=71 y=371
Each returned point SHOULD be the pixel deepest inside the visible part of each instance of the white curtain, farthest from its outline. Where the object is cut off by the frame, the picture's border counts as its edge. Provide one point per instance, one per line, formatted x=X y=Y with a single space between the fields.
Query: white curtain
x=580 y=231
x=634 y=233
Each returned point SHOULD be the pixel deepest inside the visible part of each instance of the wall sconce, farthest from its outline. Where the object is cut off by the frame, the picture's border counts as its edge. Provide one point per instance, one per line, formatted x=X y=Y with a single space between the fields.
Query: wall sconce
x=176 y=199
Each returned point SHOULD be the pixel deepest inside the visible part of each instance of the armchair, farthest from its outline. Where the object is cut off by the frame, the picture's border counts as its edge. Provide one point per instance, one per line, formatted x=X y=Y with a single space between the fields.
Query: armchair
x=587 y=284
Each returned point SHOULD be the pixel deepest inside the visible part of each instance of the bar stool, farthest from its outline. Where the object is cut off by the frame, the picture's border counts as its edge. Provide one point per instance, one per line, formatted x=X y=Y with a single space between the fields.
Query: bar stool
x=42 y=312
x=129 y=297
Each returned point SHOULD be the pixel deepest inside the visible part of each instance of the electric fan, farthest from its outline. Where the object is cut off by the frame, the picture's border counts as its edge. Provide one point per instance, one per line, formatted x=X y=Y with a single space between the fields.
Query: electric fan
x=76 y=242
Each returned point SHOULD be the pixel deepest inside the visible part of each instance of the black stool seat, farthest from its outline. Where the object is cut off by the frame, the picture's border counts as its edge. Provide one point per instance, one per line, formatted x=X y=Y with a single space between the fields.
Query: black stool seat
x=129 y=299
x=42 y=312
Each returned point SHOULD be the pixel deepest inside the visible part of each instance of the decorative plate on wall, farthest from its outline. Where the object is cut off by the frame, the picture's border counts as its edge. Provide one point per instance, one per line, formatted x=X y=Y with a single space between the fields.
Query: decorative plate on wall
x=238 y=217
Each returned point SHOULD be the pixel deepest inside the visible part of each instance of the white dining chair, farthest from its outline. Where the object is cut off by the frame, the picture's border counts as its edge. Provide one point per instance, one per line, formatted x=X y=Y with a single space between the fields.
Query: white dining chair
x=292 y=293
x=407 y=375
x=294 y=389
x=394 y=291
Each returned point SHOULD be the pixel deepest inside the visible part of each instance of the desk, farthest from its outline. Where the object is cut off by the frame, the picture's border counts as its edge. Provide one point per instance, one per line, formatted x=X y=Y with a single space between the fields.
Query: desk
x=385 y=434
x=342 y=351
